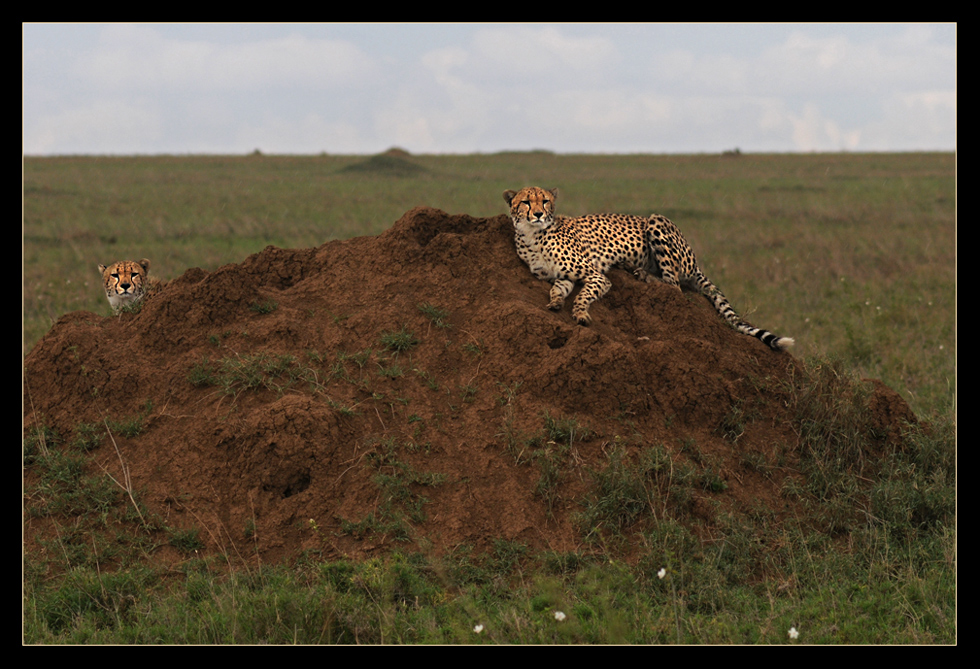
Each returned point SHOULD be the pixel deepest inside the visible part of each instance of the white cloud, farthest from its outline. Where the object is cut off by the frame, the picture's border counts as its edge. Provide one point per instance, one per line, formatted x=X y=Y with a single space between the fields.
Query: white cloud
x=309 y=134
x=837 y=65
x=924 y=120
x=520 y=53
x=139 y=58
x=813 y=132
x=683 y=70
x=113 y=125
x=566 y=87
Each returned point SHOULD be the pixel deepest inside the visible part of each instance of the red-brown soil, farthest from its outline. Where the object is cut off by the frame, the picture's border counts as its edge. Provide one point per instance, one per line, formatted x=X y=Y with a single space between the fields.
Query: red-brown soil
x=252 y=467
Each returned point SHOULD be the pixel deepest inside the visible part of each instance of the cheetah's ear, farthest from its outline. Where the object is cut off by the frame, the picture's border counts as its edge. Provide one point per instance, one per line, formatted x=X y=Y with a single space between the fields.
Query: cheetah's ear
x=554 y=193
x=102 y=269
x=509 y=195
x=145 y=264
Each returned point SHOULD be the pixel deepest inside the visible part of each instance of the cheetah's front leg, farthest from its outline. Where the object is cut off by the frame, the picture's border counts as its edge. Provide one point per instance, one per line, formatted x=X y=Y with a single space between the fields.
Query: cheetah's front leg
x=559 y=291
x=596 y=285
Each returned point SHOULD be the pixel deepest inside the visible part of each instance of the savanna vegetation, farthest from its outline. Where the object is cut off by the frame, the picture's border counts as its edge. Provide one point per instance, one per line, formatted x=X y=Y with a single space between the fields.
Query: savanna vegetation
x=855 y=254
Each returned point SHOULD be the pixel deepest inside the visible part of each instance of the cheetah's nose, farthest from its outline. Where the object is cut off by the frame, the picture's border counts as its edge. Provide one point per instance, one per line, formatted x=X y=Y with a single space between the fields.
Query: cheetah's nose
x=124 y=286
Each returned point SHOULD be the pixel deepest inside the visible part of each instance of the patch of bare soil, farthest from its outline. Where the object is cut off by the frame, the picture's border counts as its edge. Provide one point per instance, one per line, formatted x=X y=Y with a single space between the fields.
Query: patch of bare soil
x=272 y=392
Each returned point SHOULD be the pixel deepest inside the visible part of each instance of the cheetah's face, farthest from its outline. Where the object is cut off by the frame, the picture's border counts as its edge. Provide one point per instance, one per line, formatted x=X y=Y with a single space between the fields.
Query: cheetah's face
x=124 y=281
x=532 y=206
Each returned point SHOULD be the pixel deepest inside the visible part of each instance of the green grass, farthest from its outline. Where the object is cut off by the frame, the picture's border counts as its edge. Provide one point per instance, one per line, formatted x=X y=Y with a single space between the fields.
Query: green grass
x=400 y=503
x=438 y=316
x=398 y=342
x=889 y=579
x=835 y=597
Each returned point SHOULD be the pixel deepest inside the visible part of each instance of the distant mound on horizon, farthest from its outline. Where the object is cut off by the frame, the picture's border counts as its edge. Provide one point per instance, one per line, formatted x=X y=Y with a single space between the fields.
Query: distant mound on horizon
x=393 y=162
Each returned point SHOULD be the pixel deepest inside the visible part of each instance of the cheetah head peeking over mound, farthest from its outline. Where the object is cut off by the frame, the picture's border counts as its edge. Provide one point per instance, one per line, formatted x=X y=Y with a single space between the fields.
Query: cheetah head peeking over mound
x=125 y=282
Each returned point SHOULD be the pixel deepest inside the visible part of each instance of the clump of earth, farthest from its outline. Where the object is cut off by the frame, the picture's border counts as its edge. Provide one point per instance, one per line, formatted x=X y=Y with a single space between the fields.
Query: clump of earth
x=412 y=390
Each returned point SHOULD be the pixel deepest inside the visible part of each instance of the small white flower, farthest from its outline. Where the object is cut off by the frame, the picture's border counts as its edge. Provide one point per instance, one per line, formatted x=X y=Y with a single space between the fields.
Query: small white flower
x=662 y=572
x=478 y=629
x=793 y=634
x=559 y=615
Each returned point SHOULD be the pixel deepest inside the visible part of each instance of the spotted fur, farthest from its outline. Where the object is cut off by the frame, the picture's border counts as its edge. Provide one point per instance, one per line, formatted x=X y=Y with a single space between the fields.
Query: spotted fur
x=567 y=251
x=126 y=282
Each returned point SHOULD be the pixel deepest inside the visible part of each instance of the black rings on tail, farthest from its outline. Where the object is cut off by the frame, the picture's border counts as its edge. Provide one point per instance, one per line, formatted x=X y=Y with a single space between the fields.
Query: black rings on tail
x=709 y=290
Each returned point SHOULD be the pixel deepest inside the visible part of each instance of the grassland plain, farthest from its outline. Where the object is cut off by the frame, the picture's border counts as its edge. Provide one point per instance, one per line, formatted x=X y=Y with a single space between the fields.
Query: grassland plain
x=853 y=255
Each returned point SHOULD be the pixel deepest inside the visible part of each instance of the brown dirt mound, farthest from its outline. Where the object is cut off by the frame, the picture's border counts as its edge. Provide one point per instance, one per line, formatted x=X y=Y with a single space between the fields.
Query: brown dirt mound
x=269 y=397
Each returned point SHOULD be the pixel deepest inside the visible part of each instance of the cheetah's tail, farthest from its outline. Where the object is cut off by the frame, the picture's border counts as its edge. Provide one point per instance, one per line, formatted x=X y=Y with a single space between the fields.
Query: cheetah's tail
x=773 y=341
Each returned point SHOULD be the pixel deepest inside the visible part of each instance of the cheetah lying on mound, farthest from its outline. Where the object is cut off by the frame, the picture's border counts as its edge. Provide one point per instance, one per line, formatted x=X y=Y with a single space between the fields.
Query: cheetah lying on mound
x=569 y=250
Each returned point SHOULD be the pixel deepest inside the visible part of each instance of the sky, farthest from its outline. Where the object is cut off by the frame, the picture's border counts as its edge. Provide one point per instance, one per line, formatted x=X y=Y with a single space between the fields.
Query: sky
x=126 y=89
